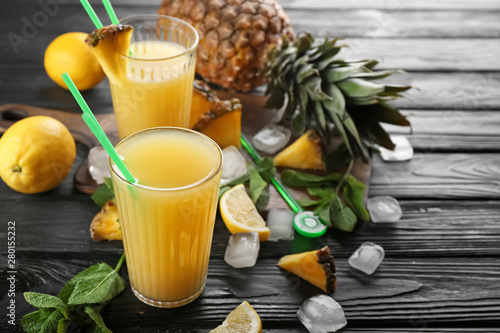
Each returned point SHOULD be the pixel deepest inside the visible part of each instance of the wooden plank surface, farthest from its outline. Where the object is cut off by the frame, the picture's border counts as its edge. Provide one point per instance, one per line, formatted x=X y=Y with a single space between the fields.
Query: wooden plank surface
x=433 y=90
x=402 y=291
x=439 y=175
x=411 y=54
x=442 y=263
x=451 y=130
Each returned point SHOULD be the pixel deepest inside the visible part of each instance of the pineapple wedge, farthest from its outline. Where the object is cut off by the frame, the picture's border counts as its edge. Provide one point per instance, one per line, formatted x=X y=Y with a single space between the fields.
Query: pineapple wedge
x=216 y=118
x=109 y=44
x=316 y=267
x=105 y=224
x=304 y=153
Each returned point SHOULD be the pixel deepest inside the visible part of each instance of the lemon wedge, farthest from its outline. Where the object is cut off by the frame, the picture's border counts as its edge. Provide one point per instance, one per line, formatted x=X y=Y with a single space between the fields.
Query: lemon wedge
x=243 y=319
x=240 y=214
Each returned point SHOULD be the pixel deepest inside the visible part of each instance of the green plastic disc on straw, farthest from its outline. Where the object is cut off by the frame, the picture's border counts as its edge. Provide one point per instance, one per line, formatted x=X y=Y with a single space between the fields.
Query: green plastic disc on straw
x=309 y=225
x=93 y=16
x=94 y=126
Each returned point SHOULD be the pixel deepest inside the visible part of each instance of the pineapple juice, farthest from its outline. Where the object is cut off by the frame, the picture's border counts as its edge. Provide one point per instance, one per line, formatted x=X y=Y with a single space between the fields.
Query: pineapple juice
x=155 y=87
x=167 y=219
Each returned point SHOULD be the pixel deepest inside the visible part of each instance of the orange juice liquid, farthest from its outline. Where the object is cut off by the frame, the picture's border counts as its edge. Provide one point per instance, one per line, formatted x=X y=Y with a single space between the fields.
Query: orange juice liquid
x=155 y=89
x=168 y=219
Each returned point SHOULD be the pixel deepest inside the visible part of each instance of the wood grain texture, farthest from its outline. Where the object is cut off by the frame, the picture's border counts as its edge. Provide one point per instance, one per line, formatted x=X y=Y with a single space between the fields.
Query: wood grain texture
x=426 y=54
x=478 y=5
x=432 y=90
x=407 y=292
x=438 y=176
x=451 y=130
x=413 y=54
x=427 y=229
x=387 y=5
x=442 y=263
x=396 y=23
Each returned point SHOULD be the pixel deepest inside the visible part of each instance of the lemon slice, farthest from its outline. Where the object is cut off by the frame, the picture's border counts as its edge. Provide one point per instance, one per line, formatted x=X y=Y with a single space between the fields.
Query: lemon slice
x=243 y=319
x=240 y=214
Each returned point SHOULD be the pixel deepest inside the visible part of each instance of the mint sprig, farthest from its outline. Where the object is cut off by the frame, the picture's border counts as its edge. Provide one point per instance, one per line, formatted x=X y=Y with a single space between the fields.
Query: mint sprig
x=258 y=178
x=104 y=193
x=88 y=290
x=340 y=197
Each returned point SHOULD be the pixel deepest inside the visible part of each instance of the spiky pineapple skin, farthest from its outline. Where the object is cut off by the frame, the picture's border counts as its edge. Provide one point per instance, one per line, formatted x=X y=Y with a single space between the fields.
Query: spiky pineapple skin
x=235 y=37
x=317 y=267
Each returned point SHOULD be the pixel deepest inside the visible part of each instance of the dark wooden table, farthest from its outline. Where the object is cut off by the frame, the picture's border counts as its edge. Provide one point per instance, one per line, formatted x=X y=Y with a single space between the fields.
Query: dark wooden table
x=442 y=267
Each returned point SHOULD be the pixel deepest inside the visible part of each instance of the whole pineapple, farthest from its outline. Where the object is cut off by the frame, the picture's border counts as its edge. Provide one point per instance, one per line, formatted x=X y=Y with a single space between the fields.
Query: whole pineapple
x=235 y=37
x=332 y=96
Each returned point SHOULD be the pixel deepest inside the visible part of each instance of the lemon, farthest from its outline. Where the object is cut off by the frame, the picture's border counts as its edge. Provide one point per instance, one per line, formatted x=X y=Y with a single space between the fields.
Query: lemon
x=240 y=214
x=69 y=53
x=36 y=154
x=243 y=319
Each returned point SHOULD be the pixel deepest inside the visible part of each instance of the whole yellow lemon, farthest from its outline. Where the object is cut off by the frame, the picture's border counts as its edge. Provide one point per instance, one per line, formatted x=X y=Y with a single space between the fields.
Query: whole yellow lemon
x=36 y=154
x=69 y=53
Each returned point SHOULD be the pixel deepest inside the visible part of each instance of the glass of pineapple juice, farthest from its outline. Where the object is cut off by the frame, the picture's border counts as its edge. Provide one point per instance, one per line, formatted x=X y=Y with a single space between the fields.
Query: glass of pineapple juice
x=167 y=217
x=156 y=83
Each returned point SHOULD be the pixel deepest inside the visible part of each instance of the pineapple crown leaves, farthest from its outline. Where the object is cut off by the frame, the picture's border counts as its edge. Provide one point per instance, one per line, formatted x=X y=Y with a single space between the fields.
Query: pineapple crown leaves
x=330 y=95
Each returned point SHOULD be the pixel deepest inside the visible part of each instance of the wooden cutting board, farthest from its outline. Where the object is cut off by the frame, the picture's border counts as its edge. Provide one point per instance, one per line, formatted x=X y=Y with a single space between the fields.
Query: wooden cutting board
x=254 y=117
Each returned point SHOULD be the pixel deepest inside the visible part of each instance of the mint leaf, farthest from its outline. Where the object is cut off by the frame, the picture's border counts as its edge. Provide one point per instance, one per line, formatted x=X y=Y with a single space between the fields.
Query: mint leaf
x=323 y=192
x=266 y=168
x=257 y=184
x=93 y=328
x=97 y=318
x=263 y=200
x=96 y=284
x=259 y=189
x=300 y=179
x=306 y=202
x=109 y=184
x=93 y=272
x=222 y=190
x=102 y=195
x=342 y=217
x=44 y=301
x=323 y=212
x=354 y=194
x=33 y=322
x=240 y=180
x=52 y=322
x=61 y=325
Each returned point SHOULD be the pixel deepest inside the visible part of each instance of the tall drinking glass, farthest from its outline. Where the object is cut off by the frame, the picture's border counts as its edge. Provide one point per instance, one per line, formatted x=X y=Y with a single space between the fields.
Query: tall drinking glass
x=167 y=217
x=156 y=83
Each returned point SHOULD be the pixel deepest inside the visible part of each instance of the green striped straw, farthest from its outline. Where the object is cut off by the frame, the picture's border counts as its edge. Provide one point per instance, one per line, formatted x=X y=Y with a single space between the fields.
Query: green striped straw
x=296 y=207
x=92 y=14
x=113 y=17
x=111 y=12
x=94 y=126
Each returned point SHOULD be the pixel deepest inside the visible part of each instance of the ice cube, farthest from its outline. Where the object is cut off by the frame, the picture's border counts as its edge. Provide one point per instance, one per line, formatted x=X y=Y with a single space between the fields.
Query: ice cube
x=98 y=164
x=367 y=257
x=280 y=222
x=384 y=209
x=242 y=249
x=402 y=152
x=234 y=165
x=271 y=138
x=322 y=314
